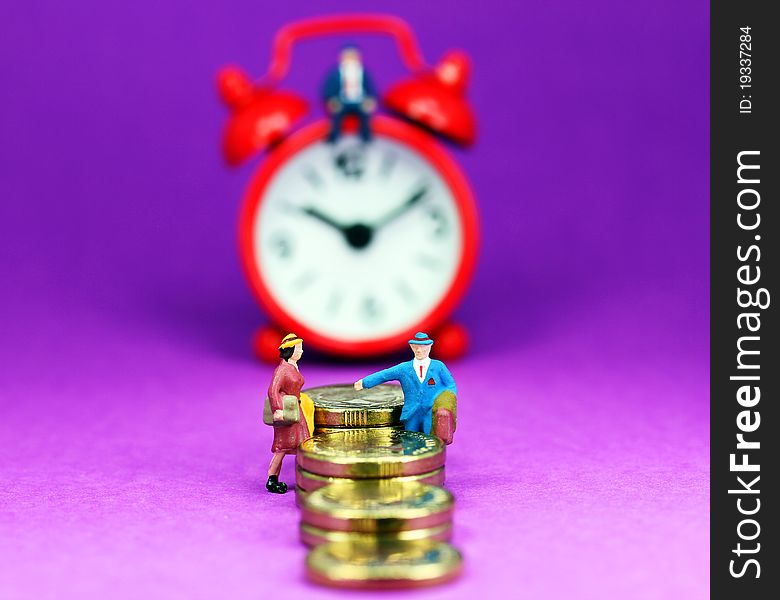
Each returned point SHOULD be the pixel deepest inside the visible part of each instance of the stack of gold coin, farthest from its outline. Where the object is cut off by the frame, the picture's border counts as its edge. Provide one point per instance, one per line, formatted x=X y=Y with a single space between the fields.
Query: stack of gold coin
x=308 y=482
x=340 y=407
x=376 y=510
x=371 y=453
x=368 y=564
x=372 y=505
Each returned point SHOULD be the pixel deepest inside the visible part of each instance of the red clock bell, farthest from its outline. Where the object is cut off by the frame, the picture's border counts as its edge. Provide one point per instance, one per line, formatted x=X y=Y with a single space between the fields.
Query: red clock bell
x=357 y=231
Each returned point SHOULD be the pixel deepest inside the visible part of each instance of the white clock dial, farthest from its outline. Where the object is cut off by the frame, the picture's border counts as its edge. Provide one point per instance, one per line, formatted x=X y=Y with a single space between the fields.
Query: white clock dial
x=358 y=242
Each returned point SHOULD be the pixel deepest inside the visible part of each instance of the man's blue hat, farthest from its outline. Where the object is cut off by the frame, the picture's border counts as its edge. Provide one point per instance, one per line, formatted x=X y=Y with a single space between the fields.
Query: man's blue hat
x=421 y=339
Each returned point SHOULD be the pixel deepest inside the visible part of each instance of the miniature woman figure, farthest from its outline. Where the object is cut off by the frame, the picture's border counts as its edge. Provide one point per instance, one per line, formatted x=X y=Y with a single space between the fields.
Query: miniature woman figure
x=287 y=381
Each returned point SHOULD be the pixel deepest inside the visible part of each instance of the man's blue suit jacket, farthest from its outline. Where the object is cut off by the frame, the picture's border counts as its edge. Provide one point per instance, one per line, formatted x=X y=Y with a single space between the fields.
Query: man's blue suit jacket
x=333 y=85
x=418 y=396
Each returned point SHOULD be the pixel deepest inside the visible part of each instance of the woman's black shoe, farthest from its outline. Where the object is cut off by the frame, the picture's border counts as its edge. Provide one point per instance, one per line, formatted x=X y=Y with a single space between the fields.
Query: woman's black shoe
x=275 y=486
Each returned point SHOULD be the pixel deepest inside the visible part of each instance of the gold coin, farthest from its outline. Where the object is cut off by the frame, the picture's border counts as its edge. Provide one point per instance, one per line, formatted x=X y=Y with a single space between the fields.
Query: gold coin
x=314 y=536
x=377 y=505
x=319 y=430
x=383 y=565
x=366 y=453
x=311 y=481
x=343 y=406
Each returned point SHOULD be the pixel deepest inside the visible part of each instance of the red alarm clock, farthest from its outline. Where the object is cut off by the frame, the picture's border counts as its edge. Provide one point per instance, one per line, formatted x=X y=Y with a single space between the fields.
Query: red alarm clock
x=355 y=246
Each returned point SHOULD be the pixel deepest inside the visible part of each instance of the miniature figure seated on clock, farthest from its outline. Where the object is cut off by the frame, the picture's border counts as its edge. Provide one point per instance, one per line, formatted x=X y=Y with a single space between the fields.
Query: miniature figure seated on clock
x=429 y=390
x=348 y=90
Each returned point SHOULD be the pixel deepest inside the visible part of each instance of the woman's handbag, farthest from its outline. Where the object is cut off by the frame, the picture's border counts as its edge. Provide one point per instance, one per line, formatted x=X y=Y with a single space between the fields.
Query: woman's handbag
x=291 y=412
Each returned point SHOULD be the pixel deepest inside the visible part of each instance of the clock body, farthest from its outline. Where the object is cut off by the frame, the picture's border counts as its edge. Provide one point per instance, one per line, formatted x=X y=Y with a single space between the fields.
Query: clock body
x=354 y=246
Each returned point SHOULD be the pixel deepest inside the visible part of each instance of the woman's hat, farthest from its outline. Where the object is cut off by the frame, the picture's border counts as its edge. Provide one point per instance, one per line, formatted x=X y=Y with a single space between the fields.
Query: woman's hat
x=289 y=341
x=421 y=339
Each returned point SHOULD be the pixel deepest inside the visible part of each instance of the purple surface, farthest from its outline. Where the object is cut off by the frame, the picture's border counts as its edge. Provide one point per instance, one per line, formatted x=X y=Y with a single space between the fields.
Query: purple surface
x=132 y=450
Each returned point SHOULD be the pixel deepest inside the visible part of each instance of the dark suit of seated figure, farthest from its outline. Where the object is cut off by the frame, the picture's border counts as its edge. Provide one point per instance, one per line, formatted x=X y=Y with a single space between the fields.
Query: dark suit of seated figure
x=348 y=90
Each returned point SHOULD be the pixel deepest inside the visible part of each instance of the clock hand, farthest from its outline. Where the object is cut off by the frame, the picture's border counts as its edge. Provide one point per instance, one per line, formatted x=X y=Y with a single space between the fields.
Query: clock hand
x=399 y=210
x=357 y=235
x=313 y=212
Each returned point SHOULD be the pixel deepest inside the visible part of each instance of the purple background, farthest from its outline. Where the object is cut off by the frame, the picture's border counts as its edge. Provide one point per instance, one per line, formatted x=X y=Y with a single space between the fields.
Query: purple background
x=132 y=451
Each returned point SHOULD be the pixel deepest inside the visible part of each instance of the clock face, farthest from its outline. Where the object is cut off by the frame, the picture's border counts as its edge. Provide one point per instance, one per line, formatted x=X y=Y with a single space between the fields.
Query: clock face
x=357 y=242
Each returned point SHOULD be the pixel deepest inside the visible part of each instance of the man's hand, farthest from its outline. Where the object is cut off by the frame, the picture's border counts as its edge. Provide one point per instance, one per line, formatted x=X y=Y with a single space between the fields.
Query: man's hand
x=369 y=105
x=359 y=384
x=334 y=105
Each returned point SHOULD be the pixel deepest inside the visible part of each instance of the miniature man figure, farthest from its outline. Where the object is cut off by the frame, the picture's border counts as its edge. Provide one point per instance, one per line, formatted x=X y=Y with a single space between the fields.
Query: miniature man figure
x=348 y=90
x=291 y=412
x=429 y=390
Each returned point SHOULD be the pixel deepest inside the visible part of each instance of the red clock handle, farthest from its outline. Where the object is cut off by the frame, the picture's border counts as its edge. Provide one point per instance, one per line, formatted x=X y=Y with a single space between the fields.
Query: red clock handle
x=287 y=36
